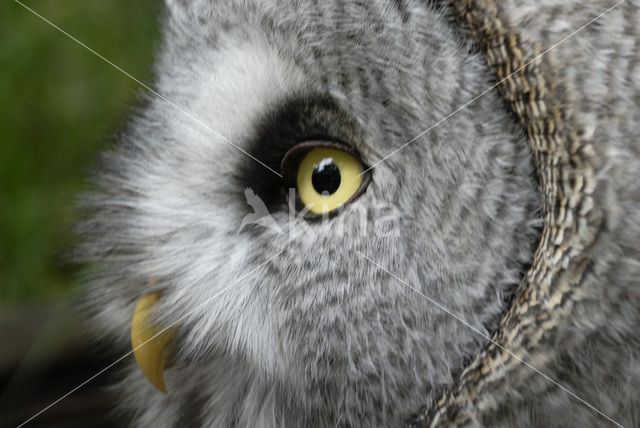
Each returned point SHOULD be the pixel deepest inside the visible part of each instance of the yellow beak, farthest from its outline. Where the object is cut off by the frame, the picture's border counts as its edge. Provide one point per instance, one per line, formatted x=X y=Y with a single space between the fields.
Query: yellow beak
x=151 y=345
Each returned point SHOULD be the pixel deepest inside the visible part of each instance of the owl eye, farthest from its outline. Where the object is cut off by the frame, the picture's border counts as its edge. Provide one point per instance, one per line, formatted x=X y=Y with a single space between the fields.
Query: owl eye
x=327 y=176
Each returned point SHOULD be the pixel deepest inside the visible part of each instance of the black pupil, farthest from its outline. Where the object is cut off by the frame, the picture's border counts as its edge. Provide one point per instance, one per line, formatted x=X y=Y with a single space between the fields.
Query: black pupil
x=326 y=176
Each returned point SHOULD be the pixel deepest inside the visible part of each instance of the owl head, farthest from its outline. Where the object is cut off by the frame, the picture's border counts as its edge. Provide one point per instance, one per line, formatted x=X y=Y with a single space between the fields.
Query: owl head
x=295 y=215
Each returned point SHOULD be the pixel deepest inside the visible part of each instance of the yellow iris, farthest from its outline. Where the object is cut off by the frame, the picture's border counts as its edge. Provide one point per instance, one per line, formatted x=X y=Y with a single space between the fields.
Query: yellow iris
x=337 y=178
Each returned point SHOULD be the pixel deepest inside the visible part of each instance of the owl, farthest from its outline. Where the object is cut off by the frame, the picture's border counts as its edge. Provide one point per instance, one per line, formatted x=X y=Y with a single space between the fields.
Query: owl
x=287 y=233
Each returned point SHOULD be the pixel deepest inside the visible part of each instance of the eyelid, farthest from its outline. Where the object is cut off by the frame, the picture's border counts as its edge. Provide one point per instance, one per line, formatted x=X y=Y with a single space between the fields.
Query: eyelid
x=292 y=159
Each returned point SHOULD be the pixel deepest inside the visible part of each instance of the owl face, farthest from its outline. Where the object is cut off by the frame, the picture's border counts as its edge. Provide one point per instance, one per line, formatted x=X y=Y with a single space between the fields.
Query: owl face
x=328 y=317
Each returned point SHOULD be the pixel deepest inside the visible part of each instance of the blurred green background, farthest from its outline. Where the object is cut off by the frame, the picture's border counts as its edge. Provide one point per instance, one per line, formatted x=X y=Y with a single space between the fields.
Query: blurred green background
x=60 y=106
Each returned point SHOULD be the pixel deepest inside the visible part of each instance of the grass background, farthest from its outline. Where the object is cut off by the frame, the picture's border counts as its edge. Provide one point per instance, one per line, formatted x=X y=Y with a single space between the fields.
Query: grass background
x=60 y=106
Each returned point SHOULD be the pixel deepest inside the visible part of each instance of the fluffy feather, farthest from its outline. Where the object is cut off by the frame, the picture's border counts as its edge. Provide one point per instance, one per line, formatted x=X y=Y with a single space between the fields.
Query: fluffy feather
x=318 y=336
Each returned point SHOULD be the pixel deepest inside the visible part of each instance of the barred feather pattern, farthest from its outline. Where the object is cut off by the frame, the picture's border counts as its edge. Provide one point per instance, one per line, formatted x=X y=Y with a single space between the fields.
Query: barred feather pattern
x=575 y=316
x=298 y=329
